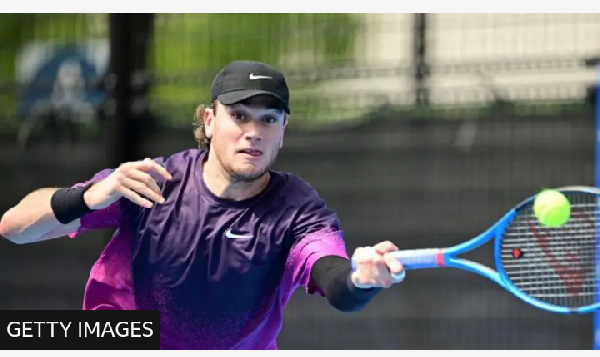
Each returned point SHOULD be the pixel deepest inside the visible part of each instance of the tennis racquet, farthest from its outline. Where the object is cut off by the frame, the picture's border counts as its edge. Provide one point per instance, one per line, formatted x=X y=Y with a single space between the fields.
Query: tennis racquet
x=550 y=268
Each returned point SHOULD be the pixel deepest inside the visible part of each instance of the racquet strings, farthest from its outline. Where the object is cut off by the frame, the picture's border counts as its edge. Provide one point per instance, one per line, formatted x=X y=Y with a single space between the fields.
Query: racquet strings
x=555 y=265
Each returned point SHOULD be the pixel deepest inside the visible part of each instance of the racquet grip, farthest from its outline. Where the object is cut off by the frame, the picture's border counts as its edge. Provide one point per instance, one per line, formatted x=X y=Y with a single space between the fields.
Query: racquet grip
x=420 y=258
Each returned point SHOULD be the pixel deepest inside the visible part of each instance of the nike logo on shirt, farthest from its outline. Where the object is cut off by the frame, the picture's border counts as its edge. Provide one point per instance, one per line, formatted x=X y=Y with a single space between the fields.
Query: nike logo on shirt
x=232 y=235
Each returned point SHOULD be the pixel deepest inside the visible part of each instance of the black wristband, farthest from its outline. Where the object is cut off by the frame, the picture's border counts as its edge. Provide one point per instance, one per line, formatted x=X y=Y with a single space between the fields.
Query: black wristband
x=68 y=203
x=332 y=275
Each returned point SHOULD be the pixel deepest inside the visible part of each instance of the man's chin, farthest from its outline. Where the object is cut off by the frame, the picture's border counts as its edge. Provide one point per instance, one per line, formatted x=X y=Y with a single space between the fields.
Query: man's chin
x=248 y=174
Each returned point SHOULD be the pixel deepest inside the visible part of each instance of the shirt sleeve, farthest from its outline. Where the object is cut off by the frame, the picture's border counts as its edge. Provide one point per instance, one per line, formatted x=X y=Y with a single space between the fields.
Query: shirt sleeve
x=111 y=216
x=316 y=233
x=108 y=217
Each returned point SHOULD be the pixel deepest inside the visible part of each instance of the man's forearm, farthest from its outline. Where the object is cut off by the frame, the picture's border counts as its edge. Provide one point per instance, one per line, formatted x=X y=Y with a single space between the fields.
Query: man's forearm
x=31 y=218
x=332 y=276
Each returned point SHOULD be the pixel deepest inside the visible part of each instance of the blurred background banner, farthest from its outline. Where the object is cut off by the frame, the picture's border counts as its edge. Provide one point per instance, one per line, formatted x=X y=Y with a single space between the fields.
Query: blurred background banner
x=422 y=129
x=60 y=81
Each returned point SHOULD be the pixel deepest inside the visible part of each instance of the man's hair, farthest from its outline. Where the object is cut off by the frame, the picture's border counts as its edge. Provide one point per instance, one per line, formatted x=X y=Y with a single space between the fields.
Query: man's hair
x=199 y=128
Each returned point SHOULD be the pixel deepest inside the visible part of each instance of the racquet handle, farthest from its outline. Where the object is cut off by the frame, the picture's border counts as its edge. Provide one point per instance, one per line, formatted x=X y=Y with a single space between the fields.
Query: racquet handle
x=416 y=259
x=420 y=258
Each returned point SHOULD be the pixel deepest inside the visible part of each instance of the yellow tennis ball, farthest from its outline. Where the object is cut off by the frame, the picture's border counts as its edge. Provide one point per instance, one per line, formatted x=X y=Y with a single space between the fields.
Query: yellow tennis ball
x=552 y=208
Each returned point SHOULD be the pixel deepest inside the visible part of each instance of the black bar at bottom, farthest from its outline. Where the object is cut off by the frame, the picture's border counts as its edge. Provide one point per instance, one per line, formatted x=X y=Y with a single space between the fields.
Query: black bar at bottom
x=79 y=330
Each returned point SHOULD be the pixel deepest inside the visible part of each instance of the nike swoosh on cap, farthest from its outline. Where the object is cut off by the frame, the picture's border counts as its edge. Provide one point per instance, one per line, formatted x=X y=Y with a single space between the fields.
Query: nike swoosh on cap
x=254 y=76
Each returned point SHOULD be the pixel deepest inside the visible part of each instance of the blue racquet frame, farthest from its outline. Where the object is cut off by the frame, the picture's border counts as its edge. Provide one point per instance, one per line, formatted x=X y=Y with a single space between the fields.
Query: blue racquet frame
x=447 y=257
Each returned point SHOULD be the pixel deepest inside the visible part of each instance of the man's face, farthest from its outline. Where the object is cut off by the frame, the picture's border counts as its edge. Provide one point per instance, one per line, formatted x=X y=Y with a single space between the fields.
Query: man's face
x=246 y=137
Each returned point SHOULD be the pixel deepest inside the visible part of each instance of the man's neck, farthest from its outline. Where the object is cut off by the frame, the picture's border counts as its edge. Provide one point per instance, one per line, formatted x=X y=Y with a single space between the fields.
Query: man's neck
x=220 y=183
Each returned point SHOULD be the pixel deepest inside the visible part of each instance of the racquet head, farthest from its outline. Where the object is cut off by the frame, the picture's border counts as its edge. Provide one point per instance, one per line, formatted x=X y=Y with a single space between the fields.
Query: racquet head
x=554 y=268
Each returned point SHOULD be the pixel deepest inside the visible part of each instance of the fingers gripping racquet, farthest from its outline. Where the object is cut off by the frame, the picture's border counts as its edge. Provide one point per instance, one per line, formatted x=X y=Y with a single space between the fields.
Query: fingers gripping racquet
x=549 y=268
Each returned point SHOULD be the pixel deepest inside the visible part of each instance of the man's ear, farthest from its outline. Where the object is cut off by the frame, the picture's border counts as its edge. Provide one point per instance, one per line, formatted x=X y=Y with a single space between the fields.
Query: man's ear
x=209 y=119
x=285 y=123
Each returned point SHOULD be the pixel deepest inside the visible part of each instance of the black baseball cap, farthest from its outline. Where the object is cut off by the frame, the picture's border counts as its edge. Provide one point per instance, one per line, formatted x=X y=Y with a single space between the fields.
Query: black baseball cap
x=241 y=80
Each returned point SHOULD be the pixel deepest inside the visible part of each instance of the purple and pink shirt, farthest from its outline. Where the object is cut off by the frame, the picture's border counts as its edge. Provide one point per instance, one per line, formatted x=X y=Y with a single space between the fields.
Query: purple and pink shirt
x=220 y=272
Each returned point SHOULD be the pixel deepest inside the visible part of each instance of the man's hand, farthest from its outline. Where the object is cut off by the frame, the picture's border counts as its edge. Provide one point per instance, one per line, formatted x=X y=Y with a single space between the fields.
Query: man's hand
x=132 y=181
x=375 y=267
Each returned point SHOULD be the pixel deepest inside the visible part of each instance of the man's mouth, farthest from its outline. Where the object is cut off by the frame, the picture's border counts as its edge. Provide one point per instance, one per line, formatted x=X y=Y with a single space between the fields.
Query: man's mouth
x=251 y=152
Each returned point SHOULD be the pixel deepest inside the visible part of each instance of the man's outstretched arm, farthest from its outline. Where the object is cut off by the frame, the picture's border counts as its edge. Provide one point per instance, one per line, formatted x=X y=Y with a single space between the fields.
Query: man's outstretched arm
x=51 y=213
x=349 y=290
x=33 y=220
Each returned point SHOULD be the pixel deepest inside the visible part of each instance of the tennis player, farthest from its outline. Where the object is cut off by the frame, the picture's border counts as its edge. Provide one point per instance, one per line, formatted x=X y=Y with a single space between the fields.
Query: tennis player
x=212 y=237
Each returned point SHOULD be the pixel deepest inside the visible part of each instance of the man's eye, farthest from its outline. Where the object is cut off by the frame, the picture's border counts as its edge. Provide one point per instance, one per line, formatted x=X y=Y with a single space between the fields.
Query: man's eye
x=238 y=116
x=270 y=120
